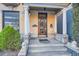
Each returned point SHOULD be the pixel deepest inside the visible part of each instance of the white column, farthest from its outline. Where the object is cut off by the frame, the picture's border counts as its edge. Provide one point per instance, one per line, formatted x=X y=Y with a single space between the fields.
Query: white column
x=27 y=27
x=64 y=22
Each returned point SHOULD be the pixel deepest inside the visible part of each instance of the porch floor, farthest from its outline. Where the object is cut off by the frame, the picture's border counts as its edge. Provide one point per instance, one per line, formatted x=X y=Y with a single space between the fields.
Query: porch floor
x=47 y=48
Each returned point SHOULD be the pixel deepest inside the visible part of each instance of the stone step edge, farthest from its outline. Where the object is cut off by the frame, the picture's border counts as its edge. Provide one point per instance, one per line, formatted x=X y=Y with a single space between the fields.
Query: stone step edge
x=66 y=54
x=45 y=45
x=37 y=51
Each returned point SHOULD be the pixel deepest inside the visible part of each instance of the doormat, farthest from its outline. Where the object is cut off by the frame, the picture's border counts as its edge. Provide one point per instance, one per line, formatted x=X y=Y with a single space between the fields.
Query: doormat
x=43 y=40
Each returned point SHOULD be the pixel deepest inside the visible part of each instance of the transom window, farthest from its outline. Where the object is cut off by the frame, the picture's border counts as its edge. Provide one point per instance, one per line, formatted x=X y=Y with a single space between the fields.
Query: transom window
x=11 y=18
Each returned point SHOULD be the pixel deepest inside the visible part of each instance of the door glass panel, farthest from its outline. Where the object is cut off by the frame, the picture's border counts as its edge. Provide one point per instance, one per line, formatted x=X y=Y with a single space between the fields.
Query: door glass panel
x=42 y=23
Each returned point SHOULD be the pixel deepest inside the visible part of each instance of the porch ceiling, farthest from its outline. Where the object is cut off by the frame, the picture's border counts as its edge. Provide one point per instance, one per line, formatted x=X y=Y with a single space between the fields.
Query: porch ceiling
x=54 y=7
x=54 y=10
x=49 y=5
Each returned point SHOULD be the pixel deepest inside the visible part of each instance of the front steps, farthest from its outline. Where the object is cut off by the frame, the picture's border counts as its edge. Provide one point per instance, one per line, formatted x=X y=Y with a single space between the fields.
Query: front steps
x=51 y=48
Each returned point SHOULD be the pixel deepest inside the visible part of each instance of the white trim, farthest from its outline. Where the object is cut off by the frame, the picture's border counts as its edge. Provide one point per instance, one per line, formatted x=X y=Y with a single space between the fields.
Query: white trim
x=64 y=21
x=44 y=5
x=35 y=11
x=69 y=7
x=27 y=25
x=59 y=13
x=64 y=17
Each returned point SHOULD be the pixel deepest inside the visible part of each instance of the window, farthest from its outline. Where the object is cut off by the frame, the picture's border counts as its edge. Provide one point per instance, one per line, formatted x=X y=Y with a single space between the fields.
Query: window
x=11 y=18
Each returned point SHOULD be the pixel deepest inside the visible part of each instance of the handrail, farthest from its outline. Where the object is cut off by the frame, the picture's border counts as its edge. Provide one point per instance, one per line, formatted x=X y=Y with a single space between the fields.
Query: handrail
x=62 y=38
x=73 y=51
x=25 y=45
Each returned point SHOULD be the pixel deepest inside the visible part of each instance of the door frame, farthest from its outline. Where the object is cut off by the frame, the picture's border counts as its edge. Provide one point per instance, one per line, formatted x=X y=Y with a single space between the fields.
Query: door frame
x=46 y=22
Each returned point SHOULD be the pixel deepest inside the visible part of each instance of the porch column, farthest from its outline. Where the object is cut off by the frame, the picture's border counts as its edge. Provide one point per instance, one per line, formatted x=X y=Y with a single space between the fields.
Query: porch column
x=27 y=27
x=64 y=22
x=65 y=37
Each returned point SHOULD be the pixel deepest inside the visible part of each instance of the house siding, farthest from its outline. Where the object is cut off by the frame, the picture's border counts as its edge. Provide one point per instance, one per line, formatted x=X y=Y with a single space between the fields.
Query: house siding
x=50 y=20
x=60 y=24
x=69 y=15
x=21 y=15
x=34 y=20
x=2 y=7
x=20 y=8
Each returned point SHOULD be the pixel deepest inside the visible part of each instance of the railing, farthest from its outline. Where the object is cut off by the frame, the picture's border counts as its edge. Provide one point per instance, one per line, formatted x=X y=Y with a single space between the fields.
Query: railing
x=25 y=43
x=62 y=38
x=74 y=52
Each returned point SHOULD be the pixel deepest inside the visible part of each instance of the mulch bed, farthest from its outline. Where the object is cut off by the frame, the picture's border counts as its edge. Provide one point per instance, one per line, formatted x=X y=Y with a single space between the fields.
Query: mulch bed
x=9 y=53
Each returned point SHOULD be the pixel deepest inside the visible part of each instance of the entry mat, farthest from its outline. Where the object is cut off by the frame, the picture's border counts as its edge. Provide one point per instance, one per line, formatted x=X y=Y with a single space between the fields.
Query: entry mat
x=43 y=40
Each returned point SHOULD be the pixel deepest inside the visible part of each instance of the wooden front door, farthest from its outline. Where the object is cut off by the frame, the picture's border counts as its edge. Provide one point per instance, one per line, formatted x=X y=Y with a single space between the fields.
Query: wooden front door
x=42 y=24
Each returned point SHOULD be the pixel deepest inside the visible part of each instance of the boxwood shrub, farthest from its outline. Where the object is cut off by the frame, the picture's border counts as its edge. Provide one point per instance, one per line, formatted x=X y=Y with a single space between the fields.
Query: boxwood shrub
x=9 y=39
x=76 y=22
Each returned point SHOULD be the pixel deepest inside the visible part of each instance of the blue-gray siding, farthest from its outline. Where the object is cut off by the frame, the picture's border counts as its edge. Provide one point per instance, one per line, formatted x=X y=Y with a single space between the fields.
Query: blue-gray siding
x=60 y=24
x=69 y=15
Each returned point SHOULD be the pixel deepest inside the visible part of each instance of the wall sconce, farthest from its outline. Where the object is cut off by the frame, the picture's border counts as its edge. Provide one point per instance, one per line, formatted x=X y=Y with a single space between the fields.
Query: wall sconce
x=34 y=25
x=51 y=26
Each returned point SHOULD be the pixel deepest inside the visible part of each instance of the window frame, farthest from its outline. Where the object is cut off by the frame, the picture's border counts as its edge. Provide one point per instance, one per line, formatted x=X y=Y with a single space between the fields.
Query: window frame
x=3 y=23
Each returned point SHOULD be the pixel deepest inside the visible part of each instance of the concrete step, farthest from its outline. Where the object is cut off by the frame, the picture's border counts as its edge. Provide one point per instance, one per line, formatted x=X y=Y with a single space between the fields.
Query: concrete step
x=45 y=45
x=47 y=48
x=43 y=49
x=36 y=41
x=50 y=53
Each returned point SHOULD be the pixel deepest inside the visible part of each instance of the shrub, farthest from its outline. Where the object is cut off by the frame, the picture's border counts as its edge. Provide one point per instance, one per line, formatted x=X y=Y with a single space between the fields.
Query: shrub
x=10 y=39
x=76 y=22
x=2 y=45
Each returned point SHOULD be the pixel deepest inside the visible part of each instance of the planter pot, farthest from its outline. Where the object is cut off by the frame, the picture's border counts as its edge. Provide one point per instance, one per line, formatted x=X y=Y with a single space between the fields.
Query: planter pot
x=65 y=39
x=74 y=44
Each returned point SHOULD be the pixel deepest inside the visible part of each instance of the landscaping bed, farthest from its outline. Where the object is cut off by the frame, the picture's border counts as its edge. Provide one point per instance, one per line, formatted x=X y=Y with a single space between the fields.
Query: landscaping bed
x=10 y=43
x=9 y=53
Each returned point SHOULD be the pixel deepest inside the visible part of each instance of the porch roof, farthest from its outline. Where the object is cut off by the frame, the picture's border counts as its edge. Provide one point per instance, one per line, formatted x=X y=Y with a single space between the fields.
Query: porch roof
x=54 y=7
x=49 y=5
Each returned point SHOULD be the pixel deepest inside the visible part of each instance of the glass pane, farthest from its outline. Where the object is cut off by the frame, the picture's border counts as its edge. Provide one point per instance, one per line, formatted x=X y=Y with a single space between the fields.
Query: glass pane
x=12 y=19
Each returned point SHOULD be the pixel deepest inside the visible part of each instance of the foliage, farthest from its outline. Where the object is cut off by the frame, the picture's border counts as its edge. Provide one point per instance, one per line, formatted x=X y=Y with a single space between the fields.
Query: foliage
x=9 y=39
x=76 y=22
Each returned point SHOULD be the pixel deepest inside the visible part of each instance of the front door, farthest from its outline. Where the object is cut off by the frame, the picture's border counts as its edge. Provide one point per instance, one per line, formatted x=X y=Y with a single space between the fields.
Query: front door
x=42 y=24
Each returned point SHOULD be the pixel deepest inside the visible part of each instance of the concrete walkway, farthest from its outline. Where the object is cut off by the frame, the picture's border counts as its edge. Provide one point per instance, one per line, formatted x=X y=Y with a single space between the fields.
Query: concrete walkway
x=47 y=48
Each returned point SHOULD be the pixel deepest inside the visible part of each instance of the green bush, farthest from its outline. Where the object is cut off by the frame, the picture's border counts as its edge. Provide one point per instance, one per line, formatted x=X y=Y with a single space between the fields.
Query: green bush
x=10 y=39
x=2 y=45
x=76 y=22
